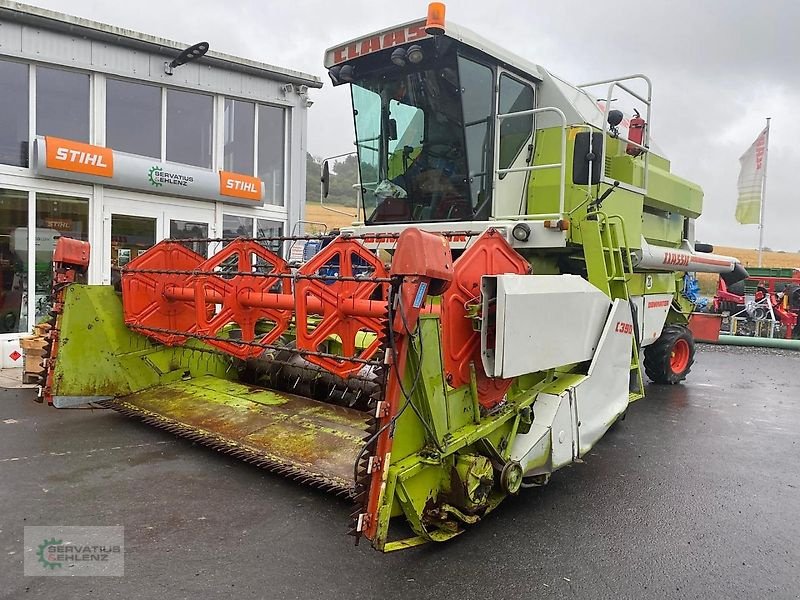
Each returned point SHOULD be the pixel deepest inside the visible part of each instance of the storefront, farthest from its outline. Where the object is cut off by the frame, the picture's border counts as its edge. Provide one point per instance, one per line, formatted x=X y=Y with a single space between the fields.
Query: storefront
x=98 y=142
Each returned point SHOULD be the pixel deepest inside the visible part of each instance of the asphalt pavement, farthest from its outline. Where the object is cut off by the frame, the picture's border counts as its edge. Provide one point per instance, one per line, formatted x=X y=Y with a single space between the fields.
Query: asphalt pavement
x=695 y=495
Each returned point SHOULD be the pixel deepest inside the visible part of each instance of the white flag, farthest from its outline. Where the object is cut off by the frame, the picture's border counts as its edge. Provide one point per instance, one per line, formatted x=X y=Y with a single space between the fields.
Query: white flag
x=751 y=181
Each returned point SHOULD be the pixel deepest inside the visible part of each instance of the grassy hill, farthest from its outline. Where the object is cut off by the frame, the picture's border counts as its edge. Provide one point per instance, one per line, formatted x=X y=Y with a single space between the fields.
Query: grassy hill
x=749 y=258
x=319 y=214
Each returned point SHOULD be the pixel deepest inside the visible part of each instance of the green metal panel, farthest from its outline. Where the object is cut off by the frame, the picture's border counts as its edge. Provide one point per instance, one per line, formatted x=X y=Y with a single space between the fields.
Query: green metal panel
x=99 y=356
x=665 y=191
x=663 y=228
x=543 y=188
x=660 y=283
x=755 y=272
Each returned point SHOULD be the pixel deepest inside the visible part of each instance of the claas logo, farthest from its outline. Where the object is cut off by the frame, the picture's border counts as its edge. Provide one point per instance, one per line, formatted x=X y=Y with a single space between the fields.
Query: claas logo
x=381 y=41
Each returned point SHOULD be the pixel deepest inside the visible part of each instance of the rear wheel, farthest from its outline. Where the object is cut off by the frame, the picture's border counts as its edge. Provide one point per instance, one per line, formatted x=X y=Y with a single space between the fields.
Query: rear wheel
x=669 y=359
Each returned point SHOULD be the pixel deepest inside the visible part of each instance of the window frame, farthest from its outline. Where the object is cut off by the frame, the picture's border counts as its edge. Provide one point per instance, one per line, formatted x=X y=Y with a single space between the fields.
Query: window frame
x=31 y=188
x=35 y=67
x=31 y=132
x=285 y=109
x=162 y=107
x=254 y=132
x=505 y=73
x=488 y=186
x=216 y=159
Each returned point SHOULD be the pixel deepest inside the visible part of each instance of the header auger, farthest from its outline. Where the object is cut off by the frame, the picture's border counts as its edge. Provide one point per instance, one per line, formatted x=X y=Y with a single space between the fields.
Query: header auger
x=522 y=254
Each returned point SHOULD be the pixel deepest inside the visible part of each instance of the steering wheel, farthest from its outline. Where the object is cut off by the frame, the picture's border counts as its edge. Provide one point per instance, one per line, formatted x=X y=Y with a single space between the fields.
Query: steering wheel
x=443 y=150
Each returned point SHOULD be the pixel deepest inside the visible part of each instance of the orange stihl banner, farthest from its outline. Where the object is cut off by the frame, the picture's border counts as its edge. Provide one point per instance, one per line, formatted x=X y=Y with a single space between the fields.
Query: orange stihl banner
x=237 y=185
x=67 y=155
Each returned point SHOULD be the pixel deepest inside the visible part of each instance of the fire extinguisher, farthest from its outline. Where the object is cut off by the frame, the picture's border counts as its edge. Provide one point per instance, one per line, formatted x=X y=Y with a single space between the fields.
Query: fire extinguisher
x=636 y=134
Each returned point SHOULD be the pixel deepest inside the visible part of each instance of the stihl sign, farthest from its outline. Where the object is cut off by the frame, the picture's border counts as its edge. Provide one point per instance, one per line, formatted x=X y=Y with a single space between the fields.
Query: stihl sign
x=374 y=43
x=67 y=155
x=237 y=185
x=77 y=161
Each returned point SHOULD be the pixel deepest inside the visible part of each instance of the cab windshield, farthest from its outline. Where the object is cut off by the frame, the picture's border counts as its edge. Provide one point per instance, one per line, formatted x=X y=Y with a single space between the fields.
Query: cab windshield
x=418 y=162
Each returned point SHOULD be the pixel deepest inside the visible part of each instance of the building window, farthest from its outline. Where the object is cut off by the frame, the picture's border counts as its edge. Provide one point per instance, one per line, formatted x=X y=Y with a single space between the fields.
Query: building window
x=55 y=216
x=189 y=128
x=266 y=228
x=133 y=117
x=62 y=104
x=14 y=116
x=192 y=231
x=130 y=237
x=234 y=226
x=13 y=261
x=240 y=123
x=271 y=142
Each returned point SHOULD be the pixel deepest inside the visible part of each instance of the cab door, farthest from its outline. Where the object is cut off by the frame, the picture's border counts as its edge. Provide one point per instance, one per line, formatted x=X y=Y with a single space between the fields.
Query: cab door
x=515 y=139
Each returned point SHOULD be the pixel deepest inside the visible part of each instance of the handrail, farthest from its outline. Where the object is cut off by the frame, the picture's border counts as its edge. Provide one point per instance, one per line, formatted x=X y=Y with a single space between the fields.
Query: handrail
x=648 y=101
x=560 y=165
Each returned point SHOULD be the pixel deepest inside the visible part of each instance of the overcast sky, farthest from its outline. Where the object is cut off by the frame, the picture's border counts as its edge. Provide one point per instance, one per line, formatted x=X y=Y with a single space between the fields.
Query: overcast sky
x=719 y=68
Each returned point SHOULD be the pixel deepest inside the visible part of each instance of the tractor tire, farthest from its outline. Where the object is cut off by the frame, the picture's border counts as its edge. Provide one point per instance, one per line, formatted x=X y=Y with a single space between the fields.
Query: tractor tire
x=669 y=359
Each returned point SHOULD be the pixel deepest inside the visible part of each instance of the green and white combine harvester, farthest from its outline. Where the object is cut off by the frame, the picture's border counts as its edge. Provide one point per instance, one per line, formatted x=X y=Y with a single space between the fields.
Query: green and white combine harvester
x=521 y=259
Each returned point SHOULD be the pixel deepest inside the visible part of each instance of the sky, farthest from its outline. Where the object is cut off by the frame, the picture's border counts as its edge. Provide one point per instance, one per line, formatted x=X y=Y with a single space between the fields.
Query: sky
x=719 y=68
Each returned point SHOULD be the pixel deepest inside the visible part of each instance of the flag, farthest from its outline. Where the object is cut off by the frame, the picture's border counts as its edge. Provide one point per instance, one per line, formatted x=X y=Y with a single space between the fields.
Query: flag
x=751 y=181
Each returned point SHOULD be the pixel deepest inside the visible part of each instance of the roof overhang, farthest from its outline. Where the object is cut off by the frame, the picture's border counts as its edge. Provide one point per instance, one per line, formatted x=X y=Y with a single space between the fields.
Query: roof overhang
x=55 y=21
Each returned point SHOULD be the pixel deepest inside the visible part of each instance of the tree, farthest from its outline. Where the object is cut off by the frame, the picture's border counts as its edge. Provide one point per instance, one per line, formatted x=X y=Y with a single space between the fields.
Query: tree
x=312 y=178
x=344 y=175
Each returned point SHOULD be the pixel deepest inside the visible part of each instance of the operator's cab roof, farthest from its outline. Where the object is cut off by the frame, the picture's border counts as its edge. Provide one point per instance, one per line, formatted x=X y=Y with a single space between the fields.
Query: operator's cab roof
x=397 y=35
x=578 y=104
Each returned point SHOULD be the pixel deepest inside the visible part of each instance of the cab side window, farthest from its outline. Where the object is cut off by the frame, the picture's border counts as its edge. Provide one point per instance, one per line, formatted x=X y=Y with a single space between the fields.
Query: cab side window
x=477 y=89
x=515 y=132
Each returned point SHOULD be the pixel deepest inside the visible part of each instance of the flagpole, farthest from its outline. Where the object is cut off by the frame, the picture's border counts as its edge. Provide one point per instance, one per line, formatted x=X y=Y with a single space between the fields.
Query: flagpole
x=763 y=197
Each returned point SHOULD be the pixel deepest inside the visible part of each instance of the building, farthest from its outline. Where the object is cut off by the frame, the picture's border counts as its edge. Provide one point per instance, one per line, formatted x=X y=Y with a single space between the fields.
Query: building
x=101 y=140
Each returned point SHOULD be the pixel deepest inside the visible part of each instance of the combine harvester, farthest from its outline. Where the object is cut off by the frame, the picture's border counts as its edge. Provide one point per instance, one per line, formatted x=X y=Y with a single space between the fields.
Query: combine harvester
x=521 y=248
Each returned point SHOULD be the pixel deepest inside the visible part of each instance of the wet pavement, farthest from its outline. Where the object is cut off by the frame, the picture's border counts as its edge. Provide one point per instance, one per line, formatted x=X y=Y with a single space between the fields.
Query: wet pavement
x=695 y=495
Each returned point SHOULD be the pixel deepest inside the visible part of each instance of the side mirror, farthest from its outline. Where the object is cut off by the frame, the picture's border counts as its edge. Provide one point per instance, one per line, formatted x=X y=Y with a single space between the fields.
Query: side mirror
x=587 y=154
x=392 y=129
x=325 y=179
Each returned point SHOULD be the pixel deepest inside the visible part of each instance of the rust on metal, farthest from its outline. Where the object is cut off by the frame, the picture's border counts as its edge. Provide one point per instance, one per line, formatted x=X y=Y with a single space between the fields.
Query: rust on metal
x=314 y=442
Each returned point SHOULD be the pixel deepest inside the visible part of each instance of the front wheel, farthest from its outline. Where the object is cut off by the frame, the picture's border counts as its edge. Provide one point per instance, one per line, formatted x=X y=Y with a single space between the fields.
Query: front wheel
x=669 y=359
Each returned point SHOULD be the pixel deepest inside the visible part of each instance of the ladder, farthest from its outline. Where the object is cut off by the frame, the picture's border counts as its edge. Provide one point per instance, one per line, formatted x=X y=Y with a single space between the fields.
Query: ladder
x=609 y=265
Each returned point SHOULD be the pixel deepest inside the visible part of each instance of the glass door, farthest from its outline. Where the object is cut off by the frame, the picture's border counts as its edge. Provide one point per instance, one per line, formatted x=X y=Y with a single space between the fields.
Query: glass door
x=131 y=227
x=192 y=231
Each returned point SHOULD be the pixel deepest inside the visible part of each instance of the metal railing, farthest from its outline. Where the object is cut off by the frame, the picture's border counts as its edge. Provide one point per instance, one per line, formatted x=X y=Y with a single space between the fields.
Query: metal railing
x=617 y=82
x=559 y=165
